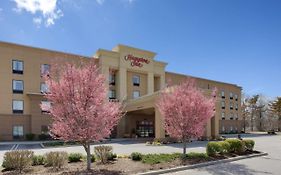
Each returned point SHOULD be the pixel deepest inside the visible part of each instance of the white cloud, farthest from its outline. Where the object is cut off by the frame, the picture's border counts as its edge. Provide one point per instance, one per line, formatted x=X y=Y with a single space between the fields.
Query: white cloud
x=100 y=2
x=47 y=10
x=37 y=21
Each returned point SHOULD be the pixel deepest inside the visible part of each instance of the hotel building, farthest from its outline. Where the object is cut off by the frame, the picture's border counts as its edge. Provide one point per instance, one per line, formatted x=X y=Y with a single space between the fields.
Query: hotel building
x=133 y=76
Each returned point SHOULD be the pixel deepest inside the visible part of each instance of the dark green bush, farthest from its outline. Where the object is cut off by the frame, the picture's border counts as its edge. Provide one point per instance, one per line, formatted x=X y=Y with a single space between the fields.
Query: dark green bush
x=194 y=155
x=17 y=160
x=213 y=148
x=159 y=158
x=38 y=160
x=56 y=159
x=249 y=144
x=93 y=158
x=75 y=157
x=44 y=137
x=136 y=156
x=236 y=145
x=30 y=136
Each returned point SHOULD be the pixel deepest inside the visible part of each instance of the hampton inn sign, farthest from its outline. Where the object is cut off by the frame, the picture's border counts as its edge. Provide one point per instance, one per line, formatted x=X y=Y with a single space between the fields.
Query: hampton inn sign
x=136 y=61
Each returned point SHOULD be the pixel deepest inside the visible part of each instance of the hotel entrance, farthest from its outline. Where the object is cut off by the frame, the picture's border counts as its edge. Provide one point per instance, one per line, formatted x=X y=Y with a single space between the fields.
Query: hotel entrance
x=145 y=128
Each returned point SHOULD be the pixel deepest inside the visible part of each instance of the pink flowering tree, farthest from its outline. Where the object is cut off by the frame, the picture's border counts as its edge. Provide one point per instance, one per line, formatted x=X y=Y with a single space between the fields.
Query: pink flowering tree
x=80 y=109
x=185 y=111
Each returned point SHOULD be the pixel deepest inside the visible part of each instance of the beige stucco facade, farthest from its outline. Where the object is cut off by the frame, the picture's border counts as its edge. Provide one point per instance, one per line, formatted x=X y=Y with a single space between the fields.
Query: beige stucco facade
x=125 y=63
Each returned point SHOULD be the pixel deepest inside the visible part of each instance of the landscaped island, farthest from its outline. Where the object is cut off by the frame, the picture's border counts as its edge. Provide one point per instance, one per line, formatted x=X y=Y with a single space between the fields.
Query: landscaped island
x=104 y=161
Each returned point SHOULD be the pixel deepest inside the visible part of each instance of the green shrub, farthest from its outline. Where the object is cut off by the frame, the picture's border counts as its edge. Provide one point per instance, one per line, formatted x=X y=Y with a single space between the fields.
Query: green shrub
x=75 y=157
x=136 y=156
x=249 y=144
x=93 y=158
x=225 y=147
x=102 y=153
x=30 y=136
x=44 y=137
x=17 y=160
x=236 y=145
x=56 y=159
x=111 y=156
x=38 y=160
x=194 y=155
x=213 y=148
x=159 y=158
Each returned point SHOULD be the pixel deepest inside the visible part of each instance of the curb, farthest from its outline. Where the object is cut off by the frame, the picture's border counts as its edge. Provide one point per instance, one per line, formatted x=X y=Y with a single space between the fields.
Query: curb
x=199 y=165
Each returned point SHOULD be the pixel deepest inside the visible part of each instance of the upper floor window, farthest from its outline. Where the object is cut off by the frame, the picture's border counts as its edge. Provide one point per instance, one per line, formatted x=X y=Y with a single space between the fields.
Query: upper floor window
x=112 y=79
x=136 y=94
x=223 y=105
x=231 y=116
x=231 y=95
x=136 y=80
x=46 y=105
x=44 y=88
x=223 y=115
x=17 y=67
x=18 y=86
x=112 y=94
x=45 y=69
x=231 y=105
x=236 y=116
x=236 y=106
x=222 y=94
x=236 y=97
x=17 y=106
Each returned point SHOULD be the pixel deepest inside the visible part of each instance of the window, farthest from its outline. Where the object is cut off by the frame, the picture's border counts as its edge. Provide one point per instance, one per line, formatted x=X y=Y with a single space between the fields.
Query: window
x=112 y=94
x=231 y=116
x=136 y=94
x=46 y=105
x=223 y=115
x=17 y=131
x=45 y=69
x=222 y=128
x=230 y=105
x=44 y=129
x=231 y=128
x=236 y=97
x=44 y=88
x=17 y=106
x=231 y=95
x=17 y=86
x=136 y=80
x=236 y=106
x=222 y=94
x=236 y=116
x=17 y=67
x=112 y=79
x=223 y=105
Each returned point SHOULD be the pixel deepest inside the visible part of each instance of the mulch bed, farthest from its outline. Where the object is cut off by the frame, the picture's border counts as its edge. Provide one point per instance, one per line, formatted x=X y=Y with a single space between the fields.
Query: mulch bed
x=120 y=166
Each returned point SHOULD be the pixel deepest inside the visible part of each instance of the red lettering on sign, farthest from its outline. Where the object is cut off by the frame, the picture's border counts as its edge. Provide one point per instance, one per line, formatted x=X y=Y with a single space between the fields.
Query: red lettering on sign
x=136 y=61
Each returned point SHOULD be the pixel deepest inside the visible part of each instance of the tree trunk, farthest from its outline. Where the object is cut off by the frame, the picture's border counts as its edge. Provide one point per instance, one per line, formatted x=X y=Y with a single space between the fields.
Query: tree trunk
x=88 y=151
x=184 y=146
x=252 y=122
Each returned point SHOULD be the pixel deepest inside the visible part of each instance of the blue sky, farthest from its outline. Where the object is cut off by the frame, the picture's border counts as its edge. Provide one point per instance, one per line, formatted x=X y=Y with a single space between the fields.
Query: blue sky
x=236 y=41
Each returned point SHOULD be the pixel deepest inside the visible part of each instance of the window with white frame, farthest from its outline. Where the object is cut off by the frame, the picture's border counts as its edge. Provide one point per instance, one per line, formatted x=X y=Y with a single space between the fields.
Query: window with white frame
x=112 y=94
x=44 y=88
x=45 y=107
x=231 y=95
x=45 y=69
x=223 y=115
x=18 y=131
x=17 y=67
x=17 y=106
x=236 y=116
x=136 y=94
x=223 y=105
x=236 y=106
x=136 y=80
x=222 y=128
x=236 y=97
x=17 y=86
x=231 y=105
x=231 y=116
x=222 y=94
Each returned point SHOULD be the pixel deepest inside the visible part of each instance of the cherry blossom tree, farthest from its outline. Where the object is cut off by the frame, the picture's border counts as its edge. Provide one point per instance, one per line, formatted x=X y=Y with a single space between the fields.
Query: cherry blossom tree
x=80 y=109
x=185 y=111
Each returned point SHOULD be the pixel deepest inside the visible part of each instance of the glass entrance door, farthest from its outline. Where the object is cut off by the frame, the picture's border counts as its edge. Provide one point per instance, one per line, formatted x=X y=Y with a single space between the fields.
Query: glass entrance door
x=145 y=128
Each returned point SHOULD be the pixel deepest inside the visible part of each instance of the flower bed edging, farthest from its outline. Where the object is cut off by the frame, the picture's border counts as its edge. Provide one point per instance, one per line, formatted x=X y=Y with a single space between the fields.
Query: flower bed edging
x=199 y=165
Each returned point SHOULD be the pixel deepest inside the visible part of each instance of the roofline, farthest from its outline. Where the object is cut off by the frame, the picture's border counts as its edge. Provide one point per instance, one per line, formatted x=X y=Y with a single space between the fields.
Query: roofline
x=43 y=49
x=204 y=79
